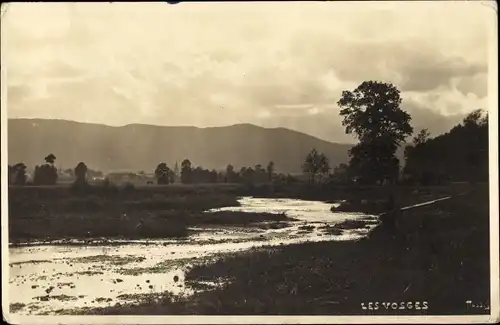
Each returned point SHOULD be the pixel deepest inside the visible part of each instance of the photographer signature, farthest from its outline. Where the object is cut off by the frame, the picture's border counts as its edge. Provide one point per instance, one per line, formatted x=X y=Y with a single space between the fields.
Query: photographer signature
x=477 y=305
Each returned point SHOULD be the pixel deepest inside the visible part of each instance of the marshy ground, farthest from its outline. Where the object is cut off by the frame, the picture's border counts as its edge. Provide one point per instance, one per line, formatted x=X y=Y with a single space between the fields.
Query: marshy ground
x=205 y=251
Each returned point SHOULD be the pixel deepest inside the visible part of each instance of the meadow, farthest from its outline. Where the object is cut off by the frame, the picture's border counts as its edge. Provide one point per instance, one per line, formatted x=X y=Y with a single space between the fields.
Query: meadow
x=436 y=262
x=436 y=256
x=166 y=211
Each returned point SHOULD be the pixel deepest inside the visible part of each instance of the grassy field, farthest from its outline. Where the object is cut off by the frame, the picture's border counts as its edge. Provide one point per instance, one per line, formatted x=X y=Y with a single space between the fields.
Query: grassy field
x=58 y=212
x=163 y=211
x=433 y=262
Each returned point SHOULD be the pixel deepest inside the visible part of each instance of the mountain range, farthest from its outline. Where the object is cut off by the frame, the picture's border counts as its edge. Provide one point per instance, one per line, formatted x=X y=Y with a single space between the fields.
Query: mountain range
x=138 y=147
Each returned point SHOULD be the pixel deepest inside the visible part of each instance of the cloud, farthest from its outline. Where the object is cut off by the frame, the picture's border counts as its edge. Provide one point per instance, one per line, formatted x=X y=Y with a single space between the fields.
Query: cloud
x=219 y=64
x=476 y=85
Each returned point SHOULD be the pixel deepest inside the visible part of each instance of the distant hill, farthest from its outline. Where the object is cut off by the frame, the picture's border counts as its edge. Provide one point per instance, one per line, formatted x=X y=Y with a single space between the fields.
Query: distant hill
x=141 y=147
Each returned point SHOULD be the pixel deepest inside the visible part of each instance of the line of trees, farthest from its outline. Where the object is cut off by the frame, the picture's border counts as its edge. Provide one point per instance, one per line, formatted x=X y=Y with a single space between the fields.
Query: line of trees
x=45 y=174
x=373 y=114
x=189 y=174
x=459 y=155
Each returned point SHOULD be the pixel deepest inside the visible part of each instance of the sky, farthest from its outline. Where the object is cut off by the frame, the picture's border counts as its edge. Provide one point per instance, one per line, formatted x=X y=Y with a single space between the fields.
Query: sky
x=269 y=64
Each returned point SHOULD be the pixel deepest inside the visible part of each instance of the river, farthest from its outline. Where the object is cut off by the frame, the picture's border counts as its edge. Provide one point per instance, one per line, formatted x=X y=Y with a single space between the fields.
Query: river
x=56 y=276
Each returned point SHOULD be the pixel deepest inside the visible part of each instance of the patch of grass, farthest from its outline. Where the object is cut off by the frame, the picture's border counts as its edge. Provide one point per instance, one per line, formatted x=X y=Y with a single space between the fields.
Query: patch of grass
x=144 y=299
x=31 y=262
x=331 y=230
x=231 y=218
x=49 y=213
x=87 y=273
x=76 y=226
x=200 y=286
x=112 y=259
x=351 y=224
x=15 y=307
x=273 y=225
x=190 y=203
x=161 y=267
x=56 y=297
x=307 y=228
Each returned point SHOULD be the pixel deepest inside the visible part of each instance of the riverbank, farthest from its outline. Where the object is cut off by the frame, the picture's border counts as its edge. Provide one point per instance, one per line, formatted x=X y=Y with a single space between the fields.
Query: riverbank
x=436 y=259
x=59 y=212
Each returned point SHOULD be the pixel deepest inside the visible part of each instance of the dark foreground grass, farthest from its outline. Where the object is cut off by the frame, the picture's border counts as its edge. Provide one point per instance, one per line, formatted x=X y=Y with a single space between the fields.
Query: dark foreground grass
x=47 y=213
x=50 y=213
x=435 y=260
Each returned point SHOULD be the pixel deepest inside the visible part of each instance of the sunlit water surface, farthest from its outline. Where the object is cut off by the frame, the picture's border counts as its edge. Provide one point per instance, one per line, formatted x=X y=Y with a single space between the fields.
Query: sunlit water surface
x=47 y=278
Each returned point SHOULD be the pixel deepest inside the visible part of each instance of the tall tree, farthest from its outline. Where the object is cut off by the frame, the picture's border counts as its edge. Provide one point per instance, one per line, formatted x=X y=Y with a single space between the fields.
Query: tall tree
x=186 y=171
x=260 y=173
x=50 y=159
x=46 y=174
x=270 y=170
x=315 y=163
x=421 y=137
x=18 y=176
x=230 y=174
x=372 y=112
x=162 y=173
x=81 y=173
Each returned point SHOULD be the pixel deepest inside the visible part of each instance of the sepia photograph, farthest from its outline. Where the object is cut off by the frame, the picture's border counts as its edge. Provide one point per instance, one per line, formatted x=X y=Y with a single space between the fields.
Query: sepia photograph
x=249 y=162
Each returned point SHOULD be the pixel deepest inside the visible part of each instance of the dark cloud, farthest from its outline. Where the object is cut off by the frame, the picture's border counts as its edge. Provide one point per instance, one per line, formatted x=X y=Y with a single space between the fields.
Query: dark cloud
x=428 y=72
x=409 y=64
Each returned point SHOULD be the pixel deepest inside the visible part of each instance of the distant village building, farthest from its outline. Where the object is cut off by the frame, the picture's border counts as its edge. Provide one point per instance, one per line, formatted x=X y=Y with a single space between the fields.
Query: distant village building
x=121 y=177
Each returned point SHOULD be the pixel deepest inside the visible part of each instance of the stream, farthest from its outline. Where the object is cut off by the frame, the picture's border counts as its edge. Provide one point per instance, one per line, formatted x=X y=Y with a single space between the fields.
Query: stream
x=56 y=276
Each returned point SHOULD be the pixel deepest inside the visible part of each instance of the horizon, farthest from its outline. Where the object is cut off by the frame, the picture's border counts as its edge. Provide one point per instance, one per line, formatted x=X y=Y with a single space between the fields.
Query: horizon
x=177 y=126
x=206 y=127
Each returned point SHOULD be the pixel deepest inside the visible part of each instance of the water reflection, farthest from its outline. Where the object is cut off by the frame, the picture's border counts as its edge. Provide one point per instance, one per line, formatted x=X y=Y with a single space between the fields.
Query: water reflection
x=51 y=277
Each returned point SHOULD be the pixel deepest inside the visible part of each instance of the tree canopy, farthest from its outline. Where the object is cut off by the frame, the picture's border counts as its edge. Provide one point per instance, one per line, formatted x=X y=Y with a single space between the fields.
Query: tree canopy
x=315 y=163
x=81 y=173
x=458 y=155
x=372 y=112
x=163 y=174
x=46 y=174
